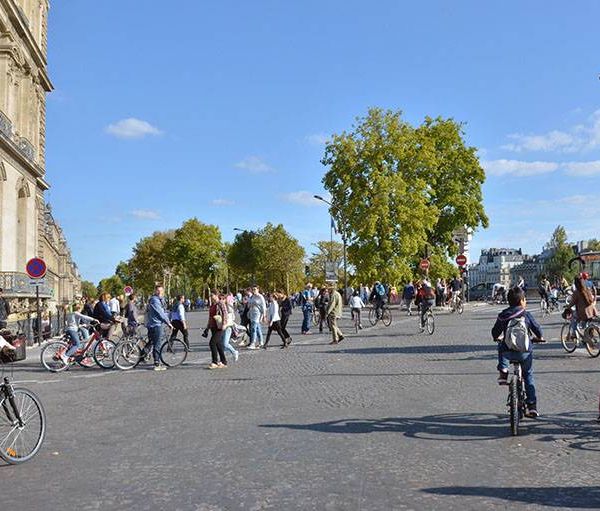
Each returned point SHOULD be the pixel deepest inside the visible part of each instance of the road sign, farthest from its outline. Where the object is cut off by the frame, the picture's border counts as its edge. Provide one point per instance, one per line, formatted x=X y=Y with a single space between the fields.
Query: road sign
x=331 y=271
x=128 y=290
x=37 y=282
x=461 y=259
x=36 y=268
x=424 y=264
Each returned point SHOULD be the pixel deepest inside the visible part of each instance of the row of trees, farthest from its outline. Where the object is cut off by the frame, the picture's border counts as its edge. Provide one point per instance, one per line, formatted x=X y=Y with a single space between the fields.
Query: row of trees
x=561 y=252
x=193 y=259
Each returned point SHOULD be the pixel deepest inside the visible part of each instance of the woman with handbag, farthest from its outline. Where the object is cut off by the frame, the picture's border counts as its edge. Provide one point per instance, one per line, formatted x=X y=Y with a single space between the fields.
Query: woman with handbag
x=217 y=317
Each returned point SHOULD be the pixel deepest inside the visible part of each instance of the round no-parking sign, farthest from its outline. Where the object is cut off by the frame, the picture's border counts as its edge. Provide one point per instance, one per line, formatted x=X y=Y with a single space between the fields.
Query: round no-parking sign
x=36 y=268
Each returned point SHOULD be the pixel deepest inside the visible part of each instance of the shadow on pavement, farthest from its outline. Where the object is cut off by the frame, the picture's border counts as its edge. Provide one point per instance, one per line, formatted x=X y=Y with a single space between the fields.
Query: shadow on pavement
x=578 y=428
x=427 y=349
x=581 y=497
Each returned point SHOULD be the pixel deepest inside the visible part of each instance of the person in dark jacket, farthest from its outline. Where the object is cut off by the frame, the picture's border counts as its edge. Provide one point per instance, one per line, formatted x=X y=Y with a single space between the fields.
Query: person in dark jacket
x=103 y=314
x=517 y=308
x=4 y=311
x=321 y=303
x=285 y=311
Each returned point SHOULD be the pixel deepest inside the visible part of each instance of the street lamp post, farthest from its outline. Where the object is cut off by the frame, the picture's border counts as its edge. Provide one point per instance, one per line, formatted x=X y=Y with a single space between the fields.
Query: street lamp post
x=345 y=297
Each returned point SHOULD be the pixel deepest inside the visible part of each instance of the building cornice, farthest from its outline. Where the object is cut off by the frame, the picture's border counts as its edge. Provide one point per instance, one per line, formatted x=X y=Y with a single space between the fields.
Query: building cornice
x=20 y=159
x=14 y=14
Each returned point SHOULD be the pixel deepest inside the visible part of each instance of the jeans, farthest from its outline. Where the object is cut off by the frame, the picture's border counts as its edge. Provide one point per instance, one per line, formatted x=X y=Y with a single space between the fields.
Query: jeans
x=216 y=347
x=505 y=356
x=226 y=344
x=155 y=334
x=75 y=342
x=307 y=319
x=425 y=306
x=336 y=333
x=408 y=303
x=255 y=332
x=178 y=327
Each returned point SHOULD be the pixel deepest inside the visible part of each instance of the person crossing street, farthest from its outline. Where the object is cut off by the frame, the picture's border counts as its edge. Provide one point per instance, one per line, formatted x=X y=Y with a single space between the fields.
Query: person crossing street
x=334 y=312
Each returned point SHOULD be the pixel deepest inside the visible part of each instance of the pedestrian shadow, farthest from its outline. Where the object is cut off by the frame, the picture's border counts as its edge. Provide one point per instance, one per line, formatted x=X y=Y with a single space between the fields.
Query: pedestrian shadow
x=427 y=349
x=577 y=497
x=577 y=428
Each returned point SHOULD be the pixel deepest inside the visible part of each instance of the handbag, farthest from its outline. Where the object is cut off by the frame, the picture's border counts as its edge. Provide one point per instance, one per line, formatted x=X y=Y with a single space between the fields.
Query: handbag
x=219 y=321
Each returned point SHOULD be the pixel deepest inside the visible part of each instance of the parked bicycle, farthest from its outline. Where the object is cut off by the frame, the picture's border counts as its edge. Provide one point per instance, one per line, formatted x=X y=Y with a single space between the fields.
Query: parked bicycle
x=383 y=314
x=96 y=350
x=130 y=351
x=22 y=423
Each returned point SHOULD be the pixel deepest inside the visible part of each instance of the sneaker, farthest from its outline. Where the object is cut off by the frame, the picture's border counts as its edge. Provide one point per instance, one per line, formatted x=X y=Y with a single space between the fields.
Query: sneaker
x=236 y=356
x=64 y=359
x=503 y=378
x=213 y=366
x=532 y=411
x=333 y=342
x=160 y=367
x=253 y=347
x=341 y=338
x=221 y=365
x=360 y=327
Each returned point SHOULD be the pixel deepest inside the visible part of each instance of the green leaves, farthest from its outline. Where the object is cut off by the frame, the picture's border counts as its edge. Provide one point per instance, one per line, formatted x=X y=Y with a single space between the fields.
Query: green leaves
x=396 y=188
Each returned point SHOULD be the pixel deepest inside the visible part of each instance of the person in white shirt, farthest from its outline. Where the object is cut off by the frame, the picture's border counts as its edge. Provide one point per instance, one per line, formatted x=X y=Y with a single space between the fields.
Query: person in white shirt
x=356 y=305
x=275 y=321
x=257 y=309
x=178 y=320
x=114 y=306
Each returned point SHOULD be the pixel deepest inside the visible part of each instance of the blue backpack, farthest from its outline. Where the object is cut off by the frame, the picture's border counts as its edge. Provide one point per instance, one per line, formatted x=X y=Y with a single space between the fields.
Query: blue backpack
x=380 y=290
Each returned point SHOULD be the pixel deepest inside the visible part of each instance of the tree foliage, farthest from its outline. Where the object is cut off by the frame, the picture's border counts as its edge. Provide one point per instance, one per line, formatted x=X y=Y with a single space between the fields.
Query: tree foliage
x=88 y=289
x=113 y=285
x=327 y=251
x=557 y=265
x=396 y=188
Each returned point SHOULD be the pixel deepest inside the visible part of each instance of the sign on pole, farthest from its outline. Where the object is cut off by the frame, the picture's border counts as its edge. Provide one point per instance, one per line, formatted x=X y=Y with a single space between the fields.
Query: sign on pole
x=331 y=271
x=424 y=264
x=128 y=290
x=461 y=259
x=36 y=268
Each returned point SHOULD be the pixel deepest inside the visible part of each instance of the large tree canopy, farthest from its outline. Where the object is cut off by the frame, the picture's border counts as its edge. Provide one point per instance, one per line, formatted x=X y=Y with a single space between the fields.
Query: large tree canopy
x=396 y=188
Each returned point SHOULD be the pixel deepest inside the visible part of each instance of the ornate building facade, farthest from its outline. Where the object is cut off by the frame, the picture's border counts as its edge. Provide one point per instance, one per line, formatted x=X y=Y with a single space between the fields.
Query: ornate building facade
x=27 y=228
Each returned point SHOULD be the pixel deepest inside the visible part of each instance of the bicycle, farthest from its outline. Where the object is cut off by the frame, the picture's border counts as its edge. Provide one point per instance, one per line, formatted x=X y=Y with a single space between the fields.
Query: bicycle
x=385 y=316
x=586 y=332
x=457 y=305
x=356 y=320
x=129 y=352
x=22 y=423
x=427 y=322
x=97 y=350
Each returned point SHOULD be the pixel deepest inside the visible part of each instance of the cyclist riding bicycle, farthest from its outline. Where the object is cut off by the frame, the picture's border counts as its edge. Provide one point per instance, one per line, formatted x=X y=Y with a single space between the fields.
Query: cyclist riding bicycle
x=510 y=322
x=425 y=299
x=544 y=289
x=76 y=330
x=499 y=293
x=378 y=298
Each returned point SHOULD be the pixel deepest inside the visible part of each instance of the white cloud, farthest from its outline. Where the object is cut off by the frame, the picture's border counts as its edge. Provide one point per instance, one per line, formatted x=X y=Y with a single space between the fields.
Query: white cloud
x=222 y=202
x=582 y=137
x=254 y=164
x=519 y=168
x=303 y=198
x=583 y=168
x=132 y=128
x=317 y=139
x=145 y=214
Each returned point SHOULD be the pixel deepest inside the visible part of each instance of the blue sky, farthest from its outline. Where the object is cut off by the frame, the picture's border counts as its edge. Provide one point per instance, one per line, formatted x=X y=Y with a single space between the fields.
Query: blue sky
x=219 y=110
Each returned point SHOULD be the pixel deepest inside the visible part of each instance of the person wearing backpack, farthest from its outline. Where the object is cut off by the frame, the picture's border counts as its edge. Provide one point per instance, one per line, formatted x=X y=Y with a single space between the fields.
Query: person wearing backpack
x=378 y=298
x=514 y=331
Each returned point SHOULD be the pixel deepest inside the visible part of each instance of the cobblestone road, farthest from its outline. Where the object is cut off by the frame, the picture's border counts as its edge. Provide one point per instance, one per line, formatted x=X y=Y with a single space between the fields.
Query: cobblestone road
x=390 y=419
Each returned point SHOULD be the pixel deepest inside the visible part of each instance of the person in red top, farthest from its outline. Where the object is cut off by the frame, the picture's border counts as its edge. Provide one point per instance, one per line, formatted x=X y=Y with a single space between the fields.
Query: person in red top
x=217 y=309
x=425 y=299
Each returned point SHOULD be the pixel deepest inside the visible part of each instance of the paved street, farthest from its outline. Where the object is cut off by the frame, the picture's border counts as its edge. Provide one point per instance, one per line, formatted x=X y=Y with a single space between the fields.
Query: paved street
x=390 y=419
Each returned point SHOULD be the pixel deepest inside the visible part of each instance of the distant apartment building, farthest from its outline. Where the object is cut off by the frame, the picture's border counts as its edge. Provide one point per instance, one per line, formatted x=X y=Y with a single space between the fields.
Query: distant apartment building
x=495 y=265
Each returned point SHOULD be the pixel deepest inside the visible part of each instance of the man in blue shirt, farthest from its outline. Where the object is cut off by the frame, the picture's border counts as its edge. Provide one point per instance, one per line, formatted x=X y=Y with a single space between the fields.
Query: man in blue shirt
x=156 y=317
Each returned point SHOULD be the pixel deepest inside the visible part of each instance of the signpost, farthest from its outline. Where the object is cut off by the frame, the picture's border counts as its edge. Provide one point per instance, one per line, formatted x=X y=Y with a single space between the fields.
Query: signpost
x=36 y=269
x=424 y=265
x=331 y=271
x=461 y=260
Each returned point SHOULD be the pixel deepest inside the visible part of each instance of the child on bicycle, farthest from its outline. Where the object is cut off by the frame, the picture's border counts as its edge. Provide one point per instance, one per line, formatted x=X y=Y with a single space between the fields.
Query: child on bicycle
x=356 y=305
x=75 y=325
x=517 y=309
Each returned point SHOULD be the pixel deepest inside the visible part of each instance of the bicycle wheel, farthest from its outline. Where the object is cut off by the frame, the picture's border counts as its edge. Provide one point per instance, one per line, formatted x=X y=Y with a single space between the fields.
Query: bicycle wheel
x=127 y=354
x=569 y=344
x=173 y=352
x=372 y=317
x=22 y=426
x=103 y=353
x=386 y=317
x=355 y=324
x=591 y=337
x=513 y=404
x=51 y=356
x=461 y=308
x=430 y=323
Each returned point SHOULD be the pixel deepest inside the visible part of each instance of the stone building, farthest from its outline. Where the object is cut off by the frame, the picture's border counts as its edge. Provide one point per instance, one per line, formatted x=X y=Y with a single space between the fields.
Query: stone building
x=25 y=229
x=495 y=265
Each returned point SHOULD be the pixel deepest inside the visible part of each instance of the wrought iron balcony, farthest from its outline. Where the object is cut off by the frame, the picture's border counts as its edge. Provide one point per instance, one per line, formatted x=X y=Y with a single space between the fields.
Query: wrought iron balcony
x=6 y=127
x=26 y=147
x=18 y=285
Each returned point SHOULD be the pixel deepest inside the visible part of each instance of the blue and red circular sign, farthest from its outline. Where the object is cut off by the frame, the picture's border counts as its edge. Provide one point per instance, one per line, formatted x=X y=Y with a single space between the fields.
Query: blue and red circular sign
x=36 y=268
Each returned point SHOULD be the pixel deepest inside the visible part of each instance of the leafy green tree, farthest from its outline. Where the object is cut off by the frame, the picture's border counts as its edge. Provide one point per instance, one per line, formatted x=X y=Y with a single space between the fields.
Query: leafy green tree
x=594 y=244
x=152 y=258
x=557 y=265
x=113 y=285
x=242 y=257
x=396 y=189
x=88 y=289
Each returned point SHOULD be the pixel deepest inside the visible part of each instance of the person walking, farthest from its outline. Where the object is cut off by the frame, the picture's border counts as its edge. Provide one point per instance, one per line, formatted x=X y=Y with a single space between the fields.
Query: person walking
x=321 y=303
x=178 y=321
x=132 y=314
x=217 y=315
x=285 y=311
x=334 y=312
x=356 y=306
x=307 y=302
x=228 y=302
x=156 y=318
x=4 y=310
x=275 y=321
x=408 y=295
x=257 y=309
